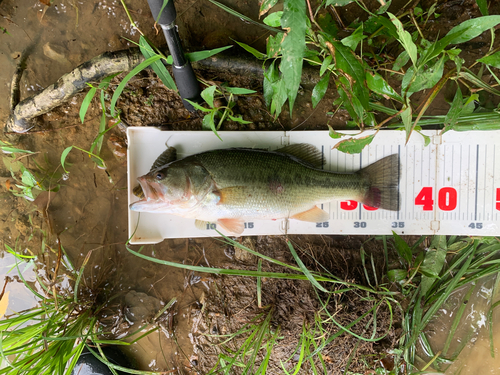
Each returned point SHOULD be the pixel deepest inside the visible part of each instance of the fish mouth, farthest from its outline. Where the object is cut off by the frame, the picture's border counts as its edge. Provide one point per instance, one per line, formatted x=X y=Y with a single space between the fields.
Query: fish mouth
x=153 y=196
x=151 y=189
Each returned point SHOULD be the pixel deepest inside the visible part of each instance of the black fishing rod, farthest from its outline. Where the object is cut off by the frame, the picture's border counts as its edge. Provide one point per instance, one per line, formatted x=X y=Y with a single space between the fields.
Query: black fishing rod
x=183 y=72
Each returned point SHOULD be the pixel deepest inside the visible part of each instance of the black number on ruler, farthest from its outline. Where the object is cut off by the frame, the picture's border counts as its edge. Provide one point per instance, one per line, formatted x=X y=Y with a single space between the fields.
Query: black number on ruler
x=211 y=226
x=324 y=224
x=249 y=225
x=398 y=224
x=476 y=225
x=360 y=224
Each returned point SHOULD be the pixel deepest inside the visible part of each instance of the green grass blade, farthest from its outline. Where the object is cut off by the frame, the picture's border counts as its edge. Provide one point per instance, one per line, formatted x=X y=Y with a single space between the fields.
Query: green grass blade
x=86 y=103
x=304 y=269
x=127 y=78
x=243 y=17
x=157 y=66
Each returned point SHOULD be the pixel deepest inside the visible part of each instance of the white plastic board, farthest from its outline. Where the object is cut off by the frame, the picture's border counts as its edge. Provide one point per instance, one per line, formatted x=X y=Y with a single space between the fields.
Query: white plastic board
x=450 y=187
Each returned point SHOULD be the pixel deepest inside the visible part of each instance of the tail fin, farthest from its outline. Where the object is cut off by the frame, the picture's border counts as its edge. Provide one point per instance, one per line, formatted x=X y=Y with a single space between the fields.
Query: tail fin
x=383 y=177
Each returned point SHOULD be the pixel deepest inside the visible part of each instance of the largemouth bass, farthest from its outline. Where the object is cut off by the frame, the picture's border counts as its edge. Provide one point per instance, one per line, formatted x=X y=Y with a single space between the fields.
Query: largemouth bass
x=231 y=186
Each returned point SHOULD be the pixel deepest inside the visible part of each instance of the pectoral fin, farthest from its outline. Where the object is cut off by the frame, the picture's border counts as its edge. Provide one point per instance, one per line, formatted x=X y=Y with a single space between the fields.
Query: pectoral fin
x=234 y=226
x=233 y=195
x=313 y=215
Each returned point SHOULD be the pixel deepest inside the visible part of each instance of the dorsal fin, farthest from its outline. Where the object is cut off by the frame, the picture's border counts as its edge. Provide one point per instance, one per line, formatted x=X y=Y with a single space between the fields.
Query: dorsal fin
x=306 y=152
x=167 y=156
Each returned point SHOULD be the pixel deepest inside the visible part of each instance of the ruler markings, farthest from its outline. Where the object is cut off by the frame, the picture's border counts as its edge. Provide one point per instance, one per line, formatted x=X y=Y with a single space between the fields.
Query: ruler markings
x=493 y=198
x=477 y=187
x=460 y=182
x=399 y=183
x=468 y=181
x=360 y=167
x=485 y=173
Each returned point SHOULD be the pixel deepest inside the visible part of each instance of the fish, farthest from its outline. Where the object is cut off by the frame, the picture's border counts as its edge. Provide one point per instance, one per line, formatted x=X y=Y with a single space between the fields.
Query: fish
x=234 y=185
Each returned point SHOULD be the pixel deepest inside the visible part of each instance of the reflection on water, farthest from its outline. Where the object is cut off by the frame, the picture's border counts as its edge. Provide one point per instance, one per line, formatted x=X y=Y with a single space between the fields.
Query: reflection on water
x=18 y=296
x=469 y=351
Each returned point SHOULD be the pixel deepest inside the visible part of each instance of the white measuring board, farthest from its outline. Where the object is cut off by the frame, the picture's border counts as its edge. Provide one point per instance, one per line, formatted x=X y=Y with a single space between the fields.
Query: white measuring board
x=451 y=186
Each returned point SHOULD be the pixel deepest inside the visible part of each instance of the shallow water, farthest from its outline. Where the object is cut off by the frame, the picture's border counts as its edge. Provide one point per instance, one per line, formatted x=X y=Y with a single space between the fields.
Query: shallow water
x=470 y=344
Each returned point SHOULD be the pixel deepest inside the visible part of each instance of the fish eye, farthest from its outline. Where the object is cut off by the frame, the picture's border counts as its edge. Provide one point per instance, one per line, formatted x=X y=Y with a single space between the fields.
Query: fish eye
x=160 y=175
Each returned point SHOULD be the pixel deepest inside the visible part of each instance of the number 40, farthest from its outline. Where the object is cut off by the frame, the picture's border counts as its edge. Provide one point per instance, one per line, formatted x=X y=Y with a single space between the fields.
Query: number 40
x=447 y=199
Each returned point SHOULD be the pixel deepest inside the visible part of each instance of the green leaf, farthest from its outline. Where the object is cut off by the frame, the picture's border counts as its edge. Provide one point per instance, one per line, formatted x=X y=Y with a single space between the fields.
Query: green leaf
x=271 y=76
x=197 y=106
x=200 y=55
x=424 y=78
x=433 y=263
x=483 y=6
x=464 y=32
x=320 y=89
x=397 y=275
x=456 y=108
x=279 y=97
x=208 y=95
x=333 y=134
x=239 y=90
x=379 y=85
x=354 y=145
x=242 y=16
x=324 y=66
x=28 y=179
x=294 y=21
x=273 y=19
x=384 y=7
x=407 y=120
x=239 y=119
x=165 y=2
x=349 y=64
x=253 y=51
x=493 y=60
x=158 y=67
x=209 y=123
x=64 y=155
x=353 y=40
x=127 y=78
x=86 y=102
x=266 y=5
x=273 y=46
x=404 y=38
x=402 y=248
x=401 y=61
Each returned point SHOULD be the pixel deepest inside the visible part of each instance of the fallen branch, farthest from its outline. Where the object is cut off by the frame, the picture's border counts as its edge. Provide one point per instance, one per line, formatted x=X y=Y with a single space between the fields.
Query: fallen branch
x=23 y=114
x=20 y=119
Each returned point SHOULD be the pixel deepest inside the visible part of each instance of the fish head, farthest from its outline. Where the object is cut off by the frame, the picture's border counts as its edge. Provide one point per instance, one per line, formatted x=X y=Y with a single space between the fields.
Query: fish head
x=165 y=189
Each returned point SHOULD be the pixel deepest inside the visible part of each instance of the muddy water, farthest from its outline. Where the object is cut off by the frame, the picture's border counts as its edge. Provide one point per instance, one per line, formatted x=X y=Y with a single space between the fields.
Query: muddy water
x=470 y=346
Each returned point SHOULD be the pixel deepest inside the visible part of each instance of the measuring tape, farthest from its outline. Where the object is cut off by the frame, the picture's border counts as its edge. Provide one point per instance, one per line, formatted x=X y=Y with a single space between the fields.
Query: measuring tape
x=450 y=187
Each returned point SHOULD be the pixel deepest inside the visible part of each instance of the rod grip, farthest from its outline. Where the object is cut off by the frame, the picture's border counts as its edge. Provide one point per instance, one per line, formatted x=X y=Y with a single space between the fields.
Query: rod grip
x=187 y=84
x=168 y=14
